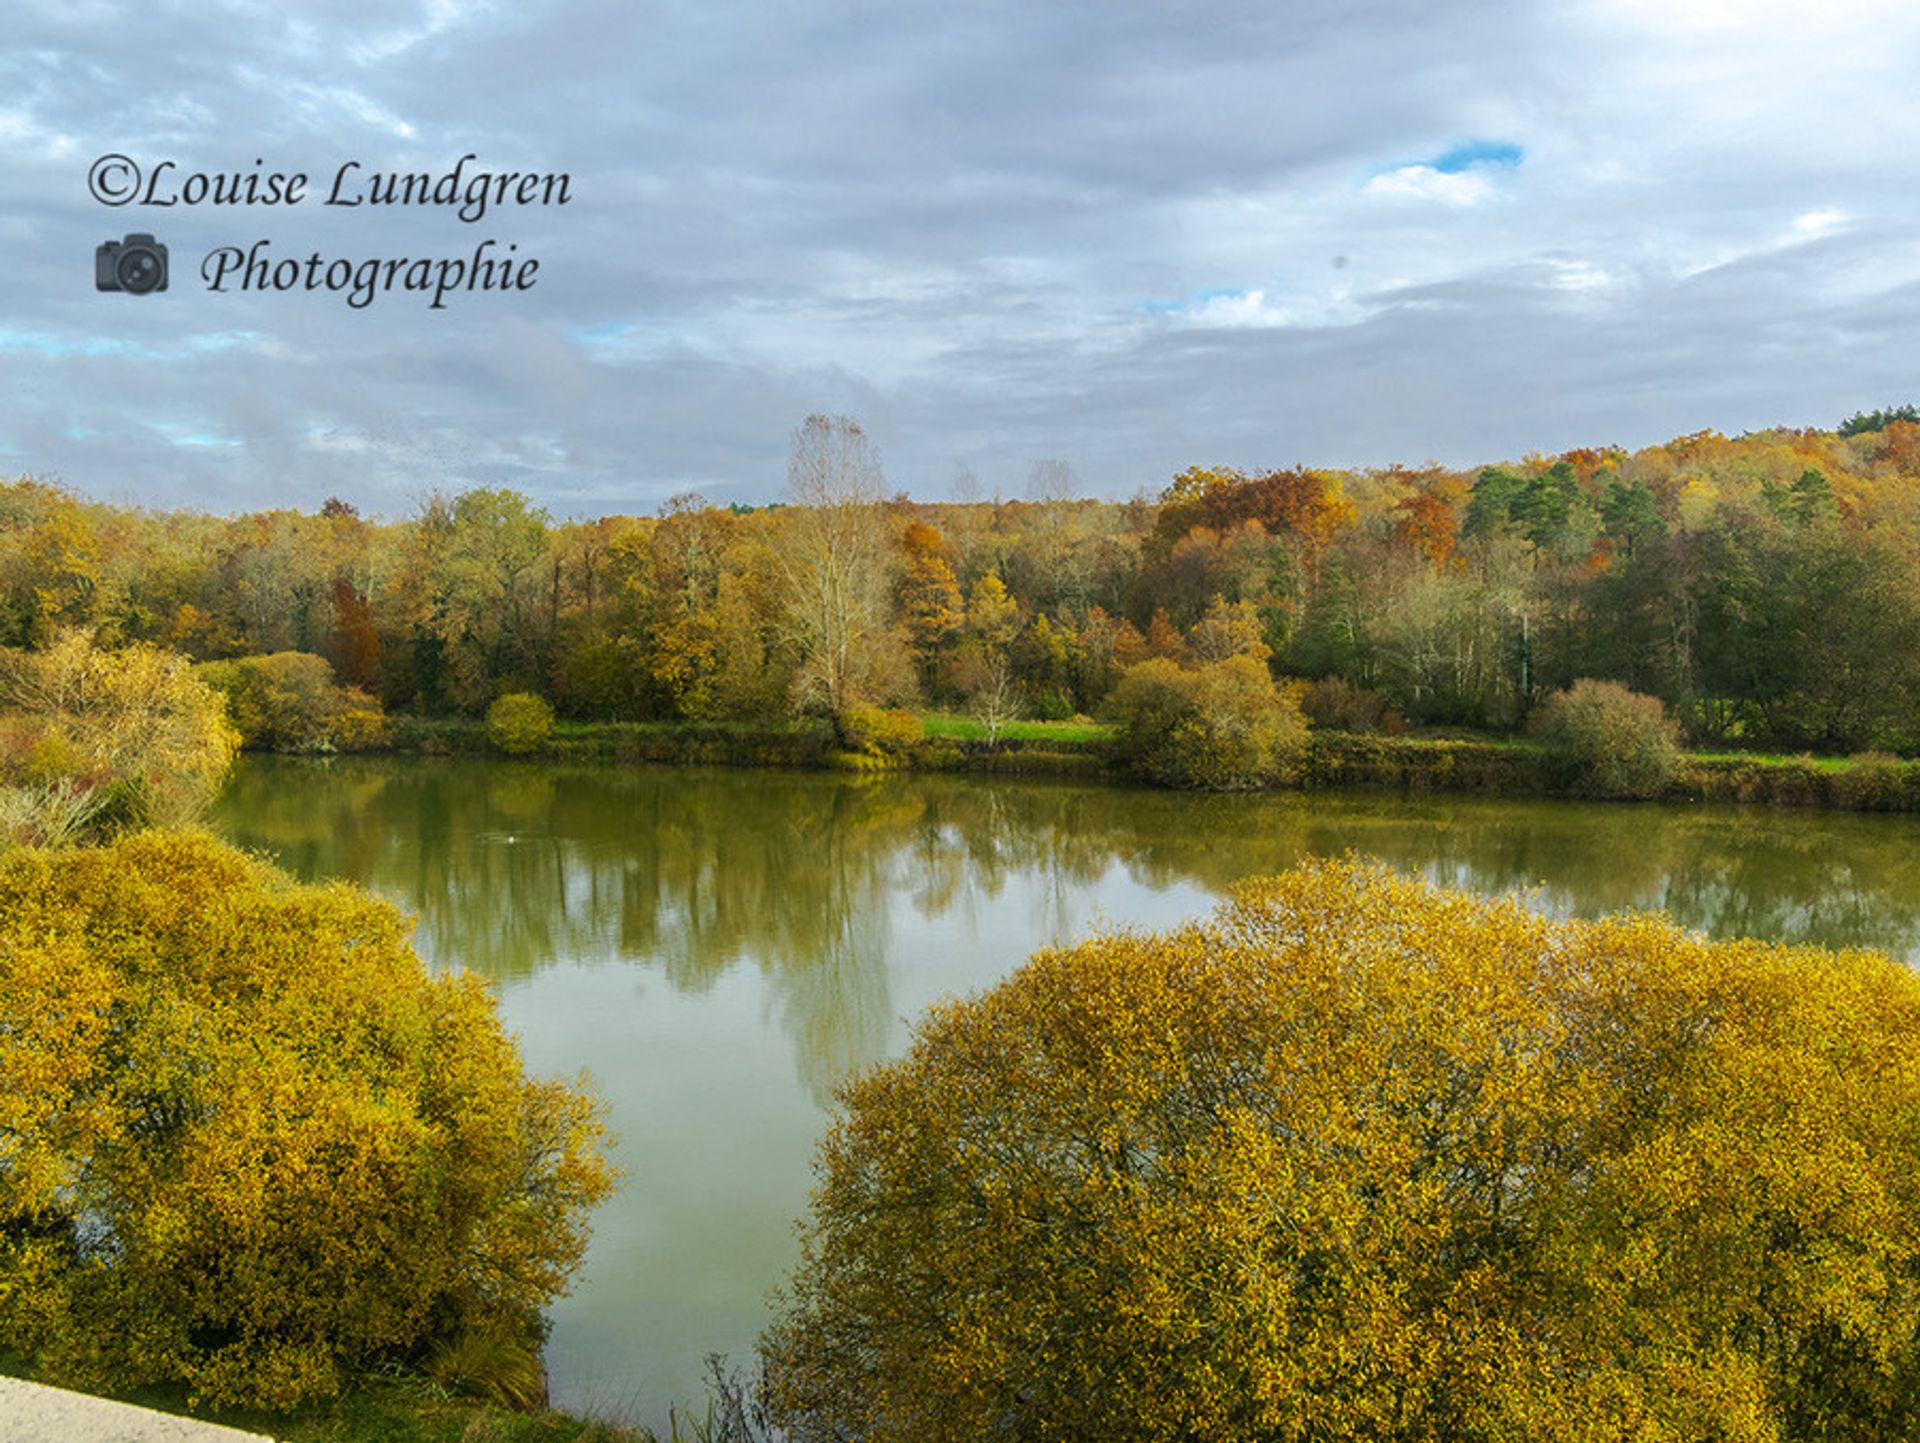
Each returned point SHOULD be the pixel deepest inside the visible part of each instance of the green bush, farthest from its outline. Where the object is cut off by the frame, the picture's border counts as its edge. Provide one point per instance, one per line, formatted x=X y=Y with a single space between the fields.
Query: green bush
x=519 y=723
x=880 y=731
x=1222 y=726
x=248 y=1143
x=1358 y=1158
x=1874 y=782
x=1050 y=705
x=1605 y=741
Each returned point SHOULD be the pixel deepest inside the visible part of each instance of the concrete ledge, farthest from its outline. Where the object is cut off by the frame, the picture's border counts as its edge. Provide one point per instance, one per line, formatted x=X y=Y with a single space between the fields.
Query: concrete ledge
x=33 y=1413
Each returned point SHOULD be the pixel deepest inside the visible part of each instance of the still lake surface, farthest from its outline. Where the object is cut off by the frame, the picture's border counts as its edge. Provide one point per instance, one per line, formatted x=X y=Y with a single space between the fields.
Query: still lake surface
x=715 y=948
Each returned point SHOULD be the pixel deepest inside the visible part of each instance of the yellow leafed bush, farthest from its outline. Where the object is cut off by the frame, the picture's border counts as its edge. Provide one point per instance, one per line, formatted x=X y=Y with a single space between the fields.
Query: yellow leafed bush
x=1360 y=1159
x=1221 y=726
x=520 y=723
x=93 y=740
x=248 y=1143
x=288 y=701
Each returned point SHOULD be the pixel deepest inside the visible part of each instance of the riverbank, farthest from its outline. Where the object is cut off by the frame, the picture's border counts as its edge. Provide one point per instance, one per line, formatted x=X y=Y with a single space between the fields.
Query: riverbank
x=1491 y=766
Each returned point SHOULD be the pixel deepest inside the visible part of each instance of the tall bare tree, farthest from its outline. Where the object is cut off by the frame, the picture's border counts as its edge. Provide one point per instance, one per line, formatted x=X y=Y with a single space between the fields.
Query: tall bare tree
x=835 y=565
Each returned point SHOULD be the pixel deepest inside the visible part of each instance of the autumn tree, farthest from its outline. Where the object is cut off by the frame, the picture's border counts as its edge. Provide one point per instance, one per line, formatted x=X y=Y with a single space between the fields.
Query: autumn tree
x=982 y=669
x=1359 y=1158
x=1228 y=629
x=49 y=562
x=930 y=598
x=833 y=560
x=249 y=1144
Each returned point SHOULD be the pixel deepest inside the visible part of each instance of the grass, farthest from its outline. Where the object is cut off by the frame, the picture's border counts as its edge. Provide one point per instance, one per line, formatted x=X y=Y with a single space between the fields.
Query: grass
x=1775 y=759
x=950 y=727
x=405 y=1412
x=597 y=729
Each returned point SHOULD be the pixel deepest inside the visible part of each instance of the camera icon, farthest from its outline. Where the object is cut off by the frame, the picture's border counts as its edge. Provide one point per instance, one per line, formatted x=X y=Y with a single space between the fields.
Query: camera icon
x=136 y=265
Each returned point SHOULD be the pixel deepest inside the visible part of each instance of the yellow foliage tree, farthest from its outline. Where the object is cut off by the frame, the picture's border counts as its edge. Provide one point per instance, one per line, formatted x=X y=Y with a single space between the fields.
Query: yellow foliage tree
x=92 y=739
x=1361 y=1159
x=247 y=1142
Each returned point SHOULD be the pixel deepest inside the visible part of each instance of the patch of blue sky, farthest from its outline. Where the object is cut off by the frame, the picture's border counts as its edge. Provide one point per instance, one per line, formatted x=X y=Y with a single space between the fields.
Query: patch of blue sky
x=183 y=435
x=45 y=343
x=222 y=340
x=1192 y=302
x=604 y=334
x=1470 y=154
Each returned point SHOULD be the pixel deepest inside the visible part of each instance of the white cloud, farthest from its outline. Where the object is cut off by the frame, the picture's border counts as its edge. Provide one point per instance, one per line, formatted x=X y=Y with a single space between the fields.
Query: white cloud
x=1423 y=182
x=1813 y=224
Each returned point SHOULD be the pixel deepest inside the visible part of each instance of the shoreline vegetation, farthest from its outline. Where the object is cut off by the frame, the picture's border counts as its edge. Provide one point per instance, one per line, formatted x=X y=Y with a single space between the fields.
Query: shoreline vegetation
x=1754 y=599
x=1083 y=750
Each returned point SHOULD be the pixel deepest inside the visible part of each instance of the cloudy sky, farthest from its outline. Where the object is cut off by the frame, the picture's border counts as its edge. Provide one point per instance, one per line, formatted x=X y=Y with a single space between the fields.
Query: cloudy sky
x=1129 y=236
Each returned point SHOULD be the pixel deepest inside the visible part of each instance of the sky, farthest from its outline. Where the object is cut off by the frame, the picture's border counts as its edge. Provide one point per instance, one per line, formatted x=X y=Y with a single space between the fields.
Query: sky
x=1131 y=237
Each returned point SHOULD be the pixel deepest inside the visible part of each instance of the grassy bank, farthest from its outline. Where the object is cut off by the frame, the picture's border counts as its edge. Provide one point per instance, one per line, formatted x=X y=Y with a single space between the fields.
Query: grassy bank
x=1490 y=765
x=414 y=1413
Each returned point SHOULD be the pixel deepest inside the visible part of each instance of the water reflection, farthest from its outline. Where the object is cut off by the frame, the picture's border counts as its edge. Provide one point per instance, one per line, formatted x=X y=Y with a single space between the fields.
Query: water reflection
x=718 y=947
x=511 y=867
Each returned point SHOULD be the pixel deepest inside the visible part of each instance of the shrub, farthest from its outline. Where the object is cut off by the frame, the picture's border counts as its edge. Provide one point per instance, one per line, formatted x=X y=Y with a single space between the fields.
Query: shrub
x=1051 y=704
x=1359 y=1158
x=519 y=723
x=362 y=729
x=247 y=1142
x=287 y=701
x=1330 y=702
x=880 y=732
x=93 y=740
x=1221 y=726
x=1873 y=782
x=1605 y=741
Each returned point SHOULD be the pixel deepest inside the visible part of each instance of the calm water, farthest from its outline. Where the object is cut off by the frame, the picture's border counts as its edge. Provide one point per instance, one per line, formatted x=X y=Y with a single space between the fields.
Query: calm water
x=716 y=947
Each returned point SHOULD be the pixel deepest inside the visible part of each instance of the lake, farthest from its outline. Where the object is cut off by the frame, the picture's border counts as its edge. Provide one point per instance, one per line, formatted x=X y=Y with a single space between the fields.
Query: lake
x=715 y=948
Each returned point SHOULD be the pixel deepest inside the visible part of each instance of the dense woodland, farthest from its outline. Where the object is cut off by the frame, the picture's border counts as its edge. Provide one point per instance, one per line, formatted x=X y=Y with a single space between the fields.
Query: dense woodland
x=1766 y=588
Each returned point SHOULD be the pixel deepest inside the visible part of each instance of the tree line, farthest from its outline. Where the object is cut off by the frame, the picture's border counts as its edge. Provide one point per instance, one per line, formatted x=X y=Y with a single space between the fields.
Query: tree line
x=1766 y=588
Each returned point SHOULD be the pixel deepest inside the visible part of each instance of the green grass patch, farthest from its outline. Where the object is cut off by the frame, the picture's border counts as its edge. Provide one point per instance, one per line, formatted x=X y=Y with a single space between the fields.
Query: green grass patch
x=951 y=727
x=1773 y=759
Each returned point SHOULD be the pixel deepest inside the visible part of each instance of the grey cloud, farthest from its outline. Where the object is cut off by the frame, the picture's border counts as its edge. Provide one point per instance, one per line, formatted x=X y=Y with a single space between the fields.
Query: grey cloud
x=946 y=220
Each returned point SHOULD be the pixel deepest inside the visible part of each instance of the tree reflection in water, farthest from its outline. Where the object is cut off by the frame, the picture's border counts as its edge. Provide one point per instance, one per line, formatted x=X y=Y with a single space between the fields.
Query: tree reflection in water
x=513 y=866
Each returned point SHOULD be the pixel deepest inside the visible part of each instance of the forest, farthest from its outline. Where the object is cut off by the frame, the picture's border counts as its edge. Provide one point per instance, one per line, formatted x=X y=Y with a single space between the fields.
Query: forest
x=1766 y=588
